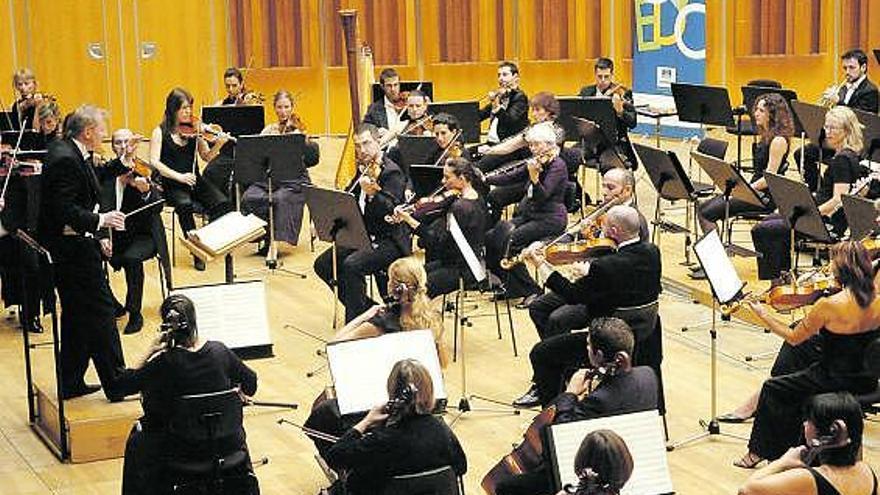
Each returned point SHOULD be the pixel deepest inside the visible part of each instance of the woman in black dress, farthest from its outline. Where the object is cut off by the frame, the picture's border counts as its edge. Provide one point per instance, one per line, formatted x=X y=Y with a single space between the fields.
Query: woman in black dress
x=173 y=155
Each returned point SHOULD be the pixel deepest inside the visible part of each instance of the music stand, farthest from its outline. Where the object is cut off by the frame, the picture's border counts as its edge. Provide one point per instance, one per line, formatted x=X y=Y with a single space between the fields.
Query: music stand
x=860 y=216
x=236 y=120
x=871 y=131
x=732 y=185
x=30 y=140
x=467 y=113
x=708 y=105
x=426 y=87
x=877 y=54
x=270 y=158
x=798 y=206
x=6 y=123
x=417 y=149
x=810 y=119
x=425 y=179
x=726 y=287
x=338 y=220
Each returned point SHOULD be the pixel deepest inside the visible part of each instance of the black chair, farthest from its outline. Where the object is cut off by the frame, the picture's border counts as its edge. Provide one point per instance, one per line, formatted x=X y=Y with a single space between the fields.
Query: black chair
x=206 y=454
x=440 y=481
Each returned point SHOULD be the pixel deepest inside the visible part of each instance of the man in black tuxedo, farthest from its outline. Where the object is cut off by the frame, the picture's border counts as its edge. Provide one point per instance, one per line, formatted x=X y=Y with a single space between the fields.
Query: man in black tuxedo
x=858 y=93
x=144 y=234
x=508 y=114
x=377 y=197
x=68 y=224
x=605 y=86
x=385 y=113
x=623 y=389
x=628 y=277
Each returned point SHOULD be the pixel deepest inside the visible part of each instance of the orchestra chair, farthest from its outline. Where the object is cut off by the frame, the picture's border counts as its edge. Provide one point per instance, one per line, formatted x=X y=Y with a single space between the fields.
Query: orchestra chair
x=870 y=401
x=440 y=481
x=470 y=293
x=203 y=452
x=200 y=215
x=644 y=320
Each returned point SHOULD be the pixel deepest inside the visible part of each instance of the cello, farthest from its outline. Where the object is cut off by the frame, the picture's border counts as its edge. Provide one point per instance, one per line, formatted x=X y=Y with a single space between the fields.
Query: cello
x=525 y=457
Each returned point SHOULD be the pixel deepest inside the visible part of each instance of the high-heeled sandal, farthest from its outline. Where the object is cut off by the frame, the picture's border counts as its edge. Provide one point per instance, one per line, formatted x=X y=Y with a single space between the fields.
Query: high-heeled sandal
x=749 y=461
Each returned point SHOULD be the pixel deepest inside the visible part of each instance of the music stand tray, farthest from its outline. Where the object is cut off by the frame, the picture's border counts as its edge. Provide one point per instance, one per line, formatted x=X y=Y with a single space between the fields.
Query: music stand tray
x=417 y=149
x=810 y=118
x=667 y=175
x=426 y=87
x=30 y=140
x=727 y=177
x=257 y=155
x=795 y=202
x=7 y=123
x=337 y=217
x=467 y=113
x=237 y=120
x=425 y=178
x=701 y=104
x=860 y=215
x=597 y=109
x=871 y=131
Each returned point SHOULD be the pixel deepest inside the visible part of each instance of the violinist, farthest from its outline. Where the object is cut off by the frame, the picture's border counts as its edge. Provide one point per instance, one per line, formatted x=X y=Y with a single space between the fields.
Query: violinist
x=847 y=322
x=540 y=214
x=603 y=464
x=833 y=428
x=772 y=236
x=48 y=124
x=460 y=208
x=508 y=107
x=288 y=196
x=622 y=101
x=402 y=437
x=416 y=121
x=25 y=106
x=379 y=188
x=629 y=276
x=233 y=81
x=385 y=113
x=125 y=190
x=445 y=127
x=173 y=154
x=621 y=389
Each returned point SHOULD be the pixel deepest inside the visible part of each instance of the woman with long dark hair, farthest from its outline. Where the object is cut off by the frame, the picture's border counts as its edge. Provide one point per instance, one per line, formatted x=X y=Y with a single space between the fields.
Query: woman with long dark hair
x=603 y=464
x=173 y=155
x=847 y=322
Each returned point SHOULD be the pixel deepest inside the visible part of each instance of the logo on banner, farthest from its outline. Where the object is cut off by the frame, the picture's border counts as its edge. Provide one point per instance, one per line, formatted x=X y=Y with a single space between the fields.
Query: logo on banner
x=651 y=22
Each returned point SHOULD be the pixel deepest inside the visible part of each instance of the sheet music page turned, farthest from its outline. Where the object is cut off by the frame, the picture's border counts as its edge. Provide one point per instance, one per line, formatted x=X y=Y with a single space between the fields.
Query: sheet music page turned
x=360 y=367
x=234 y=314
x=643 y=434
x=228 y=230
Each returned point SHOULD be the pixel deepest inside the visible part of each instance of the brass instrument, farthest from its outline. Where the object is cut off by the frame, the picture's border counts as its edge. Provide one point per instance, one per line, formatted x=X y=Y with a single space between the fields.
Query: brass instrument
x=829 y=96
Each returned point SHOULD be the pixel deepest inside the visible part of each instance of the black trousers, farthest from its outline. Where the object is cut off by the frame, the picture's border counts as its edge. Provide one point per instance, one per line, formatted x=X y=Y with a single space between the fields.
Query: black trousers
x=444 y=277
x=554 y=359
x=351 y=268
x=509 y=238
x=88 y=327
x=811 y=163
x=129 y=254
x=772 y=240
x=501 y=196
x=181 y=197
x=552 y=316
x=219 y=172
x=24 y=280
x=712 y=210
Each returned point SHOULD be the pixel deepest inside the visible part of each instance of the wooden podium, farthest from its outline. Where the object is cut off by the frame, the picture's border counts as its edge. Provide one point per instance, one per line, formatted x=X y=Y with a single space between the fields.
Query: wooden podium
x=96 y=429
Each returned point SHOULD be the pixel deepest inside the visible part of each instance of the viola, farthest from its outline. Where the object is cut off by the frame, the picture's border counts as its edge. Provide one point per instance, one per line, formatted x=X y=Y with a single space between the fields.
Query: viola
x=566 y=253
x=790 y=296
x=434 y=205
x=209 y=132
x=525 y=457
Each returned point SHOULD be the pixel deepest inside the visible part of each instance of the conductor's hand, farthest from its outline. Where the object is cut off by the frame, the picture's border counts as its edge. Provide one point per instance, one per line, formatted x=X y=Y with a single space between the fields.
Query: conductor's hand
x=577 y=385
x=113 y=219
x=376 y=415
x=187 y=178
x=106 y=247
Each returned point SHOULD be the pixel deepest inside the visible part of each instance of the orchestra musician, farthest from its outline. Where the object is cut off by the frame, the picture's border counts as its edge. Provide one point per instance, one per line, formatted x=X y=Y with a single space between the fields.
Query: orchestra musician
x=507 y=110
x=233 y=81
x=540 y=214
x=401 y=437
x=25 y=106
x=416 y=122
x=622 y=101
x=460 y=209
x=67 y=228
x=379 y=188
x=832 y=430
x=857 y=92
x=48 y=123
x=771 y=237
x=385 y=113
x=847 y=321
x=125 y=190
x=630 y=276
x=173 y=155
x=288 y=196
x=622 y=389
x=219 y=170
x=603 y=464
x=178 y=362
x=445 y=127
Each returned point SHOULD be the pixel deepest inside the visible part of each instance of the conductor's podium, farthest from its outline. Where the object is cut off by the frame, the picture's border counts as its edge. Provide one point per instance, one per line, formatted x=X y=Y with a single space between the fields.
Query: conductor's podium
x=96 y=428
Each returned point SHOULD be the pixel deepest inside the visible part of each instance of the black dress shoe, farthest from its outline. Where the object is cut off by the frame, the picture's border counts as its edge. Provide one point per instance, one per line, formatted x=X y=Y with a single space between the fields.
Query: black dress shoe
x=134 y=325
x=527 y=301
x=198 y=264
x=35 y=325
x=79 y=391
x=528 y=399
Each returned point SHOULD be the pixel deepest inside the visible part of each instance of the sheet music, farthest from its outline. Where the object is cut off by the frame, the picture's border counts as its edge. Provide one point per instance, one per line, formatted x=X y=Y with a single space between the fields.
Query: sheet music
x=234 y=314
x=719 y=269
x=360 y=368
x=228 y=229
x=643 y=434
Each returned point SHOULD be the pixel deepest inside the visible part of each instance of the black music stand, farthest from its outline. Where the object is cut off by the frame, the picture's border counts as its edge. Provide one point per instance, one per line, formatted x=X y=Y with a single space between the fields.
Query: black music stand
x=810 y=119
x=270 y=158
x=236 y=120
x=417 y=149
x=870 y=133
x=877 y=54
x=732 y=184
x=6 y=123
x=425 y=179
x=708 y=105
x=30 y=140
x=860 y=216
x=426 y=87
x=338 y=220
x=467 y=113
x=597 y=109
x=798 y=206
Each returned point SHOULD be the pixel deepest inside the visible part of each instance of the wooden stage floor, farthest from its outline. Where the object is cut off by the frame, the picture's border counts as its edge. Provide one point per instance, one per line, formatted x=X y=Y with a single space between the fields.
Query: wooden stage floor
x=27 y=466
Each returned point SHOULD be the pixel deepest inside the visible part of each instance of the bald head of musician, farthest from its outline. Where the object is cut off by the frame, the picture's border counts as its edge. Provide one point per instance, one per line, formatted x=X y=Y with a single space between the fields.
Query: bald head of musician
x=618 y=182
x=390 y=82
x=621 y=224
x=87 y=125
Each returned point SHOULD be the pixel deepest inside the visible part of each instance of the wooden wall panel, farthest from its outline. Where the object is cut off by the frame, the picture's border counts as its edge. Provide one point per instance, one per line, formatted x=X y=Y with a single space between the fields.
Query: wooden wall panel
x=285 y=34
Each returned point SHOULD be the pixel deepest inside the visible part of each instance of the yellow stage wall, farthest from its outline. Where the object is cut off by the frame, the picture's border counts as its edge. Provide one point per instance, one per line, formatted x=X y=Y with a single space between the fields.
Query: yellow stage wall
x=127 y=54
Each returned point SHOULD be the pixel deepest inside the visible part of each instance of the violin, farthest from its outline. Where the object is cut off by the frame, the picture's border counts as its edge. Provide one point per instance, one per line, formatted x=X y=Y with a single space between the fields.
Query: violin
x=791 y=296
x=35 y=99
x=566 y=253
x=209 y=132
x=293 y=124
x=525 y=457
x=250 y=98
x=426 y=207
x=400 y=102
